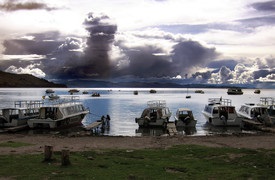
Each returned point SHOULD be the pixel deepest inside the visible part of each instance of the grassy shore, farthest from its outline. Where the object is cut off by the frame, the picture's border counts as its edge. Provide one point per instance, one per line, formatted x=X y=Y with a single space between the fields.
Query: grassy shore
x=176 y=162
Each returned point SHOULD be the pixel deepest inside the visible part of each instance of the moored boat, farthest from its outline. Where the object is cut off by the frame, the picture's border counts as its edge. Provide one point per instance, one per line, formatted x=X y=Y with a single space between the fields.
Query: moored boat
x=72 y=91
x=48 y=91
x=257 y=91
x=19 y=114
x=221 y=112
x=184 y=118
x=53 y=97
x=156 y=114
x=85 y=92
x=263 y=112
x=199 y=91
x=187 y=96
x=62 y=113
x=234 y=91
x=95 y=94
x=254 y=114
x=153 y=91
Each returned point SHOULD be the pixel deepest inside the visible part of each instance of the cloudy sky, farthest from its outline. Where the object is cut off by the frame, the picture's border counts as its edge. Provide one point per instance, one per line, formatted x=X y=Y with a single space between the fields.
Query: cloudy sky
x=213 y=41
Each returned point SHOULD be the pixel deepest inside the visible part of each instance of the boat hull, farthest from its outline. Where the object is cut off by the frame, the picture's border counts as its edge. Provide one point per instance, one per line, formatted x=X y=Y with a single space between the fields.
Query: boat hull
x=145 y=122
x=56 y=124
x=180 y=123
x=220 y=121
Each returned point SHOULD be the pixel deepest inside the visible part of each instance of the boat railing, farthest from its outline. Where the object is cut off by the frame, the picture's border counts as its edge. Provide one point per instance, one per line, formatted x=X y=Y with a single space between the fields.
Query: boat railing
x=65 y=100
x=28 y=104
x=156 y=103
x=267 y=101
x=221 y=101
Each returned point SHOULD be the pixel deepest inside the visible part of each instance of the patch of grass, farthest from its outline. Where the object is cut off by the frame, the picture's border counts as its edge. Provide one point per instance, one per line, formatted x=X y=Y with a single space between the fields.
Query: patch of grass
x=178 y=162
x=13 y=144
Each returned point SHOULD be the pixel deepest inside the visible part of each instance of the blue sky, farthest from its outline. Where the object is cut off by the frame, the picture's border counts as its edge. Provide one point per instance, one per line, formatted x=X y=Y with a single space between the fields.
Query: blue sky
x=214 y=41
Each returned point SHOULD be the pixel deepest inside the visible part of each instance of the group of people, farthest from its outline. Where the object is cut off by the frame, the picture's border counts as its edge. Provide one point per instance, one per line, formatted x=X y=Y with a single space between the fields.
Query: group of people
x=105 y=121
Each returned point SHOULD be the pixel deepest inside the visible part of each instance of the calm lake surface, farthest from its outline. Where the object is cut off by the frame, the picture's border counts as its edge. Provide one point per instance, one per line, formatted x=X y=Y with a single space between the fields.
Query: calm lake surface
x=123 y=106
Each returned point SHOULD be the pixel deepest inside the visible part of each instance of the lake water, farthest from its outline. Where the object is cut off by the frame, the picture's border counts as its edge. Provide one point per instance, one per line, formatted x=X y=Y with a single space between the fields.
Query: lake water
x=123 y=106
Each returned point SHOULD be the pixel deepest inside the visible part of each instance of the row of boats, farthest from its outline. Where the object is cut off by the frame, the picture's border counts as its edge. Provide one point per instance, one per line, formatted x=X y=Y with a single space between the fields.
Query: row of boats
x=158 y=114
x=221 y=112
x=68 y=111
x=218 y=112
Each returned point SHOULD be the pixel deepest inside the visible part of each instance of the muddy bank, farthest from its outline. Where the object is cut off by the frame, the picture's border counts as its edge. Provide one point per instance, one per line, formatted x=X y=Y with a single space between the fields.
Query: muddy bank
x=86 y=143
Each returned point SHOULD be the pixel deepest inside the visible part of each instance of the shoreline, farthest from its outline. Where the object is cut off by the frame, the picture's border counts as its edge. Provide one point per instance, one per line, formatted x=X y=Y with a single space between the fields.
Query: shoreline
x=88 y=142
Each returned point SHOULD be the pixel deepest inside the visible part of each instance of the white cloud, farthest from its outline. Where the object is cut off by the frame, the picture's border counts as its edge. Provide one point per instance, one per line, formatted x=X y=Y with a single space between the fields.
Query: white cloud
x=31 y=69
x=240 y=75
x=30 y=57
x=268 y=78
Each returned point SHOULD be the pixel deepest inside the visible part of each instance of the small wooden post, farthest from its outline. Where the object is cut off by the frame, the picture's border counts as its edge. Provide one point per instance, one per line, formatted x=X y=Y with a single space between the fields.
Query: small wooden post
x=65 y=157
x=48 y=152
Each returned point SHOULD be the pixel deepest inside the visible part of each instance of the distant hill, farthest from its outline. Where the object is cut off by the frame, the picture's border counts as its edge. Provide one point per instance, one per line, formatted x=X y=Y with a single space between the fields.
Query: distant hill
x=24 y=80
x=147 y=84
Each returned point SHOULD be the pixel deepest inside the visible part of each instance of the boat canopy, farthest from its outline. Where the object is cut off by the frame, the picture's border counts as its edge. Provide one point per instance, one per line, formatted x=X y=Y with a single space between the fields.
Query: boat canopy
x=156 y=104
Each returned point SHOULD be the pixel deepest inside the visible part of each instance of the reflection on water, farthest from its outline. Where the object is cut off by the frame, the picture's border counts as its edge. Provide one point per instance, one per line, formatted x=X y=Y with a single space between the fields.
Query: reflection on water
x=123 y=106
x=150 y=131
x=210 y=129
x=187 y=130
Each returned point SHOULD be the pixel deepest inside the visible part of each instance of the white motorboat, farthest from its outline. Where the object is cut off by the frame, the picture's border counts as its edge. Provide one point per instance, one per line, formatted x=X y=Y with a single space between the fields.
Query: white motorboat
x=156 y=114
x=58 y=114
x=252 y=111
x=220 y=112
x=184 y=118
x=19 y=114
x=264 y=112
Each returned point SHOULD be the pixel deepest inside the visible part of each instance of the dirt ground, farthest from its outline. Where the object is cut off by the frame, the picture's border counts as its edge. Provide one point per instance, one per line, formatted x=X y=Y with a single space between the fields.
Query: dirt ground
x=85 y=142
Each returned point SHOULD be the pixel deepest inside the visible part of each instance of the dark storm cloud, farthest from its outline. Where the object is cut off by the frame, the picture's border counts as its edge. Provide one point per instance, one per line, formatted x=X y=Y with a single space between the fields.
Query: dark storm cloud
x=191 y=53
x=144 y=61
x=228 y=63
x=147 y=58
x=101 y=36
x=225 y=74
x=41 y=44
x=47 y=46
x=202 y=76
x=65 y=60
x=264 y=6
x=261 y=73
x=14 y=5
x=69 y=62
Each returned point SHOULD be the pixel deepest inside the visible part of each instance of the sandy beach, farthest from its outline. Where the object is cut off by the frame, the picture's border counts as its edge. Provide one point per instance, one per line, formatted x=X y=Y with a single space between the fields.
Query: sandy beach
x=86 y=143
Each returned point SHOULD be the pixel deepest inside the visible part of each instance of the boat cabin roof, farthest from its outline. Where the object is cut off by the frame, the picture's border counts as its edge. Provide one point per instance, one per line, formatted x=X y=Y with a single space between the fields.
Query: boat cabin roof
x=156 y=104
x=219 y=101
x=184 y=109
x=253 y=105
x=267 y=101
